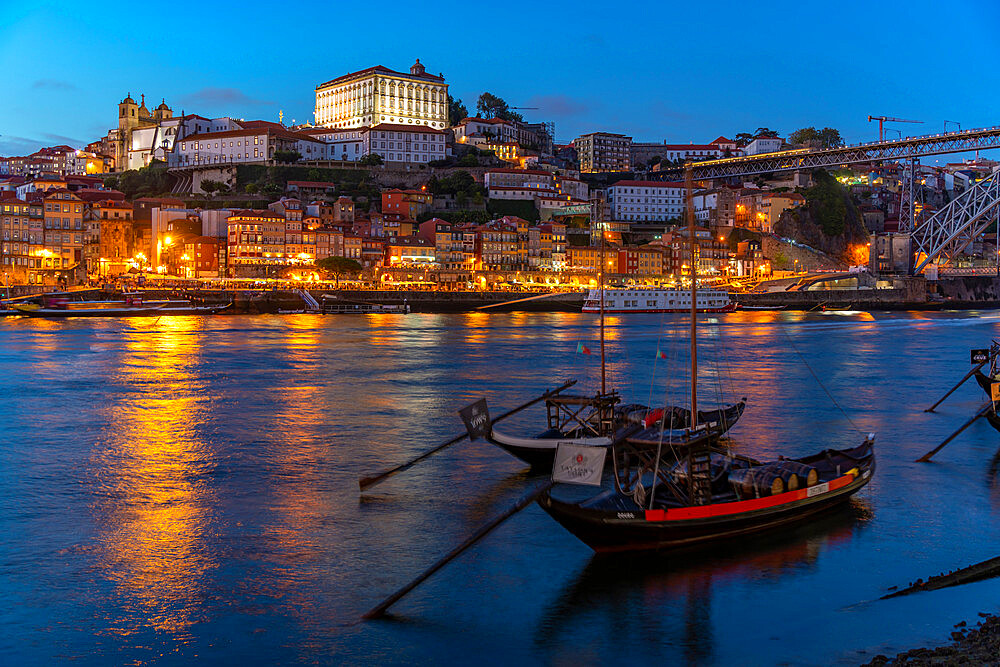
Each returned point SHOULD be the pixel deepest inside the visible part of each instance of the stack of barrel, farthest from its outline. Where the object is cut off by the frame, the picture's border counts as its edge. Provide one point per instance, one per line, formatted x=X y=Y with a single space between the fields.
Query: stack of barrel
x=771 y=479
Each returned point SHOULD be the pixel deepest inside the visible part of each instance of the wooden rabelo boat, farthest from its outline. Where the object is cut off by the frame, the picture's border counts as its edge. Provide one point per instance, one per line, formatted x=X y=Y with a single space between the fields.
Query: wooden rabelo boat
x=605 y=424
x=599 y=421
x=676 y=487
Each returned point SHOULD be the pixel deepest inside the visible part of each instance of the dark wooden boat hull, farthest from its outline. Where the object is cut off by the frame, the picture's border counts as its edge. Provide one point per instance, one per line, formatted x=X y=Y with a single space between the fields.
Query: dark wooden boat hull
x=540 y=458
x=609 y=530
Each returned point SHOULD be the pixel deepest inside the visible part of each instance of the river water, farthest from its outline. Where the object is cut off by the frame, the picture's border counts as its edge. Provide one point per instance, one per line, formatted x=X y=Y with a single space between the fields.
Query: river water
x=185 y=489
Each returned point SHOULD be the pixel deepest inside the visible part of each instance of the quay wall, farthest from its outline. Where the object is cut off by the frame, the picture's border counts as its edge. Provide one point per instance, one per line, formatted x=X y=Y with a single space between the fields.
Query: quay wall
x=419 y=301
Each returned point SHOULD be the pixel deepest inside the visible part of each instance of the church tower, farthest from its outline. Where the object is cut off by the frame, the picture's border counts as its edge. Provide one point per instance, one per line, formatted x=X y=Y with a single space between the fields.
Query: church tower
x=163 y=112
x=128 y=113
x=417 y=69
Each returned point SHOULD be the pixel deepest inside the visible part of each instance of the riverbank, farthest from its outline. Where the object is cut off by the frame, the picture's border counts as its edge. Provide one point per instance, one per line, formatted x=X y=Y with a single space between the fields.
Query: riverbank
x=976 y=645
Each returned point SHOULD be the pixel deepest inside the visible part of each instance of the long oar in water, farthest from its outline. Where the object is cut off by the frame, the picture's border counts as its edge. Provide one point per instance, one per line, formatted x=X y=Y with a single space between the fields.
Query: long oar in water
x=380 y=610
x=988 y=405
x=366 y=482
x=960 y=383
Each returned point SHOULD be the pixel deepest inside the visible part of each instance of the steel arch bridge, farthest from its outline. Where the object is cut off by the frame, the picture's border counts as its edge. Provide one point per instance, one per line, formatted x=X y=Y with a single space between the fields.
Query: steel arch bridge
x=946 y=233
x=806 y=158
x=950 y=230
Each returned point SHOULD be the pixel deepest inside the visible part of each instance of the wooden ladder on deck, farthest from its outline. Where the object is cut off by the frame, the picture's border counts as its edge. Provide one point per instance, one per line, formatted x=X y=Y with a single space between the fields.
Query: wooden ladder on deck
x=700 y=476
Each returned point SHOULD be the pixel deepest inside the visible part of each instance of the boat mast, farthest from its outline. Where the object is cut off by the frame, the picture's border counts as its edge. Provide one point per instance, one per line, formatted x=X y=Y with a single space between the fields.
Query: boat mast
x=600 y=223
x=689 y=201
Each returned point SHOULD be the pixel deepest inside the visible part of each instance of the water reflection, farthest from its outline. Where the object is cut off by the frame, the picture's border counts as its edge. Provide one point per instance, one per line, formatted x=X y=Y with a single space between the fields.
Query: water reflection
x=652 y=601
x=152 y=463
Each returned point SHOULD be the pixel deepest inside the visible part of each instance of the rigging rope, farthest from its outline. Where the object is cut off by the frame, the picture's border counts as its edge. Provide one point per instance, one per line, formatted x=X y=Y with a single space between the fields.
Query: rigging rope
x=819 y=382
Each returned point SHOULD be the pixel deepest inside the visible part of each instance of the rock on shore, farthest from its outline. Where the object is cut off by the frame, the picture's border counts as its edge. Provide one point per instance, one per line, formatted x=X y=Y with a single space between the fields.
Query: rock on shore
x=979 y=645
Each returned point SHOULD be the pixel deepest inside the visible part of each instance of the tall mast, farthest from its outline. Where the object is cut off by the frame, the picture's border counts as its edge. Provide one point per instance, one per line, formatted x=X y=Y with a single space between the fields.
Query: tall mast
x=689 y=202
x=600 y=224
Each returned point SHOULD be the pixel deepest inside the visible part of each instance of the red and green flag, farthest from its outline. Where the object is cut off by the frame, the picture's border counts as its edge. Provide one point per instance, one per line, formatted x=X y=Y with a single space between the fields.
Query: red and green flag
x=660 y=354
x=582 y=349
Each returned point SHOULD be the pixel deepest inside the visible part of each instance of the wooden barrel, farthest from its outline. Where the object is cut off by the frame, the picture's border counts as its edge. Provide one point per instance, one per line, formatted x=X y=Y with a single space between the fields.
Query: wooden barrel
x=807 y=474
x=759 y=481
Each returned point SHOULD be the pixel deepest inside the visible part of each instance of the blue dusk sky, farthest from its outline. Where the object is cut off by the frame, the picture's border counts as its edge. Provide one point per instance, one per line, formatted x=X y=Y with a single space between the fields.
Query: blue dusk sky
x=681 y=72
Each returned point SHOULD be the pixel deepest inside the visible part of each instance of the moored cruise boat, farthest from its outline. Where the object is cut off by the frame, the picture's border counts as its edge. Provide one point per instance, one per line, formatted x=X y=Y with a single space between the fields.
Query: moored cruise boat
x=656 y=300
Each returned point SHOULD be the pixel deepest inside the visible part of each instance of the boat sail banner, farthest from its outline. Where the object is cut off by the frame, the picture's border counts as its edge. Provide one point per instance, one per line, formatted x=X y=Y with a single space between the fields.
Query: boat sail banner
x=578 y=464
x=477 y=419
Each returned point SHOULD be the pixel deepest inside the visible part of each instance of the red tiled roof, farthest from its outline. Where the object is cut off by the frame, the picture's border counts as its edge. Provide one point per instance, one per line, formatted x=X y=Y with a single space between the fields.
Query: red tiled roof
x=381 y=69
x=534 y=172
x=270 y=131
x=722 y=140
x=255 y=213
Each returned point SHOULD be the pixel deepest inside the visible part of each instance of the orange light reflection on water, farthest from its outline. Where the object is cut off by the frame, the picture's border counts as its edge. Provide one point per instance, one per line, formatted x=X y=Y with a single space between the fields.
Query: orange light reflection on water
x=152 y=464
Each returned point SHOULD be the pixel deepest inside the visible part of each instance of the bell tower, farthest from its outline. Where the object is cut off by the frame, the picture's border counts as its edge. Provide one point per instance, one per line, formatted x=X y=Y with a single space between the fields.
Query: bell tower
x=128 y=113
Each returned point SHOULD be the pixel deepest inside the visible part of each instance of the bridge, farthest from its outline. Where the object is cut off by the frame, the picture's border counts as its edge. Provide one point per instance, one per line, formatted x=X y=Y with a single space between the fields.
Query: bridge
x=808 y=158
x=944 y=235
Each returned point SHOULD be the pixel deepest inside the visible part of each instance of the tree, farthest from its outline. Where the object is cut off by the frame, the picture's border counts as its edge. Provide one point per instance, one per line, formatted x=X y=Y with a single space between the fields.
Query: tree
x=456 y=111
x=371 y=160
x=287 y=156
x=251 y=188
x=490 y=106
x=828 y=137
x=765 y=133
x=743 y=138
x=210 y=187
x=338 y=266
x=826 y=203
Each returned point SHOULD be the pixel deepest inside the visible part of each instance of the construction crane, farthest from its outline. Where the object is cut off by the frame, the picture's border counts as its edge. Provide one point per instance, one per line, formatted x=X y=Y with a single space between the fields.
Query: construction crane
x=888 y=119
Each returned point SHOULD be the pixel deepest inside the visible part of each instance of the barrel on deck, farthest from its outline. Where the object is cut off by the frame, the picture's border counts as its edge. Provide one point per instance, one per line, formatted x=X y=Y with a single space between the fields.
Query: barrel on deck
x=759 y=481
x=807 y=474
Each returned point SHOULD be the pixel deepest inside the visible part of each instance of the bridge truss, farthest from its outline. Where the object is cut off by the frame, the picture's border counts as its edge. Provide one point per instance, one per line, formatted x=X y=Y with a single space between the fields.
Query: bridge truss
x=950 y=231
x=875 y=151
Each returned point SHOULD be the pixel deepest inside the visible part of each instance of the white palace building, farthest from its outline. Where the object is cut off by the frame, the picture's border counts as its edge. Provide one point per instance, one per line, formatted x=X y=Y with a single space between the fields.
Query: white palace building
x=379 y=95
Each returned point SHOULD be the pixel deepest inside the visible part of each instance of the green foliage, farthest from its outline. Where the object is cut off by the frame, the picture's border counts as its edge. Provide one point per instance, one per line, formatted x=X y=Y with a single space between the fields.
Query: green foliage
x=453 y=183
x=765 y=133
x=828 y=137
x=826 y=203
x=521 y=208
x=210 y=187
x=490 y=106
x=251 y=188
x=287 y=156
x=338 y=266
x=461 y=215
x=149 y=181
x=468 y=160
x=456 y=111
x=371 y=160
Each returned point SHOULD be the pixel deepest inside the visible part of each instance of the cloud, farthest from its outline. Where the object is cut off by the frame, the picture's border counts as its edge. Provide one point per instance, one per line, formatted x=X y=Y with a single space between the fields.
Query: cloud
x=216 y=97
x=557 y=105
x=12 y=145
x=53 y=84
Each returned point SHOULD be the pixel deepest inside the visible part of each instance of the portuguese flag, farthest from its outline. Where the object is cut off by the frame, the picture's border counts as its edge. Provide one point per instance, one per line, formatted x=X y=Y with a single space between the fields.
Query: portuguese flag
x=660 y=354
x=582 y=349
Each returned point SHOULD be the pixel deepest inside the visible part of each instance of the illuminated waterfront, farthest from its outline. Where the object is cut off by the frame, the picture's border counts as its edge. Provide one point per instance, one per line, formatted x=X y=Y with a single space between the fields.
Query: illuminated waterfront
x=186 y=489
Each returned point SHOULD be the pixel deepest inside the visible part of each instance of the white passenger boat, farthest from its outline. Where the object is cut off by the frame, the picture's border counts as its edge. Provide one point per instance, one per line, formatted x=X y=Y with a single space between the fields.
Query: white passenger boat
x=656 y=300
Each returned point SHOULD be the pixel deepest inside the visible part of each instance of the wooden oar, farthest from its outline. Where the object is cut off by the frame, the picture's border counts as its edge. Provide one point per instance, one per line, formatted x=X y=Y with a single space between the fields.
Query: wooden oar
x=960 y=383
x=366 y=482
x=988 y=405
x=380 y=610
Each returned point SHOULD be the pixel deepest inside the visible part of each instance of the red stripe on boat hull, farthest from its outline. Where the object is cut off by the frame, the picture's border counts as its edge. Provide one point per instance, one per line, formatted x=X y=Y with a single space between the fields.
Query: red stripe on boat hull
x=741 y=506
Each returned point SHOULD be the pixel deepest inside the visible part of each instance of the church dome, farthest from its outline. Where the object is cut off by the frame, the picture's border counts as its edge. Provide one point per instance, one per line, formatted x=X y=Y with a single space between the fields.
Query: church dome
x=163 y=106
x=128 y=99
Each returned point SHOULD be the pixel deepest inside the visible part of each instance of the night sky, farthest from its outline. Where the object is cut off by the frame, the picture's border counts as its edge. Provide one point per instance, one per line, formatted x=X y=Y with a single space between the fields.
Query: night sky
x=683 y=72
